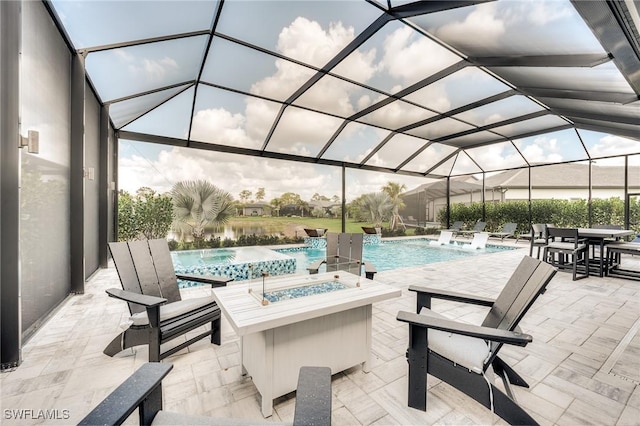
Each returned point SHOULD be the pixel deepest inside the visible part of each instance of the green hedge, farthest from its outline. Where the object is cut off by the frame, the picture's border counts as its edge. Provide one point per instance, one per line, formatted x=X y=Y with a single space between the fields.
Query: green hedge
x=562 y=213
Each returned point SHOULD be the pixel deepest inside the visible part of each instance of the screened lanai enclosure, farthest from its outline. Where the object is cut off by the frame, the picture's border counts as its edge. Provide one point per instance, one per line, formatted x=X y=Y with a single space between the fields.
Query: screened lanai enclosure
x=438 y=93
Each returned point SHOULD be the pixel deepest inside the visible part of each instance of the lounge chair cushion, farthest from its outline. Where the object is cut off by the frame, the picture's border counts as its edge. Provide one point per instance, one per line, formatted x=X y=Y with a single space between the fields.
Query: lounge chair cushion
x=168 y=418
x=173 y=309
x=566 y=246
x=469 y=352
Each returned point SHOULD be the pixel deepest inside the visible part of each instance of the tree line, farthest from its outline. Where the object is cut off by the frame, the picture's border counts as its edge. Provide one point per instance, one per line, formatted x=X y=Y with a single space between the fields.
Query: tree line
x=191 y=207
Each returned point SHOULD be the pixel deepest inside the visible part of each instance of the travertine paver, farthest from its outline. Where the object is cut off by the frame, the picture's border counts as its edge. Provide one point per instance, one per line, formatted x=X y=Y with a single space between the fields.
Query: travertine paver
x=576 y=326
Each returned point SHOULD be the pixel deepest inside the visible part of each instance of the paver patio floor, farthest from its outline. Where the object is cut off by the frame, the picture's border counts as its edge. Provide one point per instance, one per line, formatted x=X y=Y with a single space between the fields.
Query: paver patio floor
x=583 y=365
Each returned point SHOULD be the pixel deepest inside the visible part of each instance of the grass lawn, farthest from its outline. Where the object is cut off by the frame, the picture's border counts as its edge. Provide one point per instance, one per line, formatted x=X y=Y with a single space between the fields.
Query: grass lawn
x=290 y=225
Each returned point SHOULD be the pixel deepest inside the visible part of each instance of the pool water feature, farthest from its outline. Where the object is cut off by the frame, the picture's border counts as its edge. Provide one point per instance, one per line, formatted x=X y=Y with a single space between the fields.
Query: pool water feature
x=239 y=263
x=394 y=254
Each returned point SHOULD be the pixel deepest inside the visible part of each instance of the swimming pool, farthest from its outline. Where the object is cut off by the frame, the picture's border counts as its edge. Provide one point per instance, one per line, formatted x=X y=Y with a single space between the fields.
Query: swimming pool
x=242 y=263
x=394 y=254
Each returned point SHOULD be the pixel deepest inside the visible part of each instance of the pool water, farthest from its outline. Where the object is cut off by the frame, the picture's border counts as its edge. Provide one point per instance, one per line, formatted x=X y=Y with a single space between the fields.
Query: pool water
x=394 y=254
x=243 y=263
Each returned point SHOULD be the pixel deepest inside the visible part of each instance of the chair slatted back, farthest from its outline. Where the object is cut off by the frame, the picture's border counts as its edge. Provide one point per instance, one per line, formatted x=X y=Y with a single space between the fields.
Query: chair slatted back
x=563 y=234
x=126 y=272
x=332 y=252
x=357 y=241
x=332 y=244
x=539 y=231
x=509 y=228
x=165 y=272
x=528 y=281
x=344 y=252
x=457 y=225
x=144 y=268
x=344 y=246
x=479 y=226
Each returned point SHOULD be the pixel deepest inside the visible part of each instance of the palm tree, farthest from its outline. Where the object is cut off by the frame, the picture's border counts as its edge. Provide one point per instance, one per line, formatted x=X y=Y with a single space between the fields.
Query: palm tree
x=394 y=191
x=198 y=204
x=277 y=205
x=376 y=206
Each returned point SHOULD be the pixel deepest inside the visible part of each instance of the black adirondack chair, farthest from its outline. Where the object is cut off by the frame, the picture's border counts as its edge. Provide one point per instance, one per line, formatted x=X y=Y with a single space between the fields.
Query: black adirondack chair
x=344 y=253
x=460 y=354
x=158 y=313
x=143 y=391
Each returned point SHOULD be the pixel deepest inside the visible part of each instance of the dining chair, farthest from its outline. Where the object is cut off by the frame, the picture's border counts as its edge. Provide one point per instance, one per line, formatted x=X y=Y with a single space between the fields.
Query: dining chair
x=565 y=244
x=538 y=238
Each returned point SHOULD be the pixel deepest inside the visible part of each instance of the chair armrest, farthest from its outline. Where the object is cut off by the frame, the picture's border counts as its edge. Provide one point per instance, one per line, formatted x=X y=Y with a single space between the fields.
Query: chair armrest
x=139 y=299
x=451 y=295
x=313 y=397
x=142 y=389
x=486 y=333
x=369 y=270
x=214 y=280
x=313 y=267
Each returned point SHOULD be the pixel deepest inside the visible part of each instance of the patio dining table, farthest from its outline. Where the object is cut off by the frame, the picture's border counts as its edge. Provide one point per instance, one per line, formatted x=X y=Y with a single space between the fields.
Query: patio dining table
x=596 y=237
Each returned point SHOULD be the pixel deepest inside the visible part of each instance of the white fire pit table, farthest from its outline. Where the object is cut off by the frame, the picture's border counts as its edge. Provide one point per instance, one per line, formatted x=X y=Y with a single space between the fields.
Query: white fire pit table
x=330 y=329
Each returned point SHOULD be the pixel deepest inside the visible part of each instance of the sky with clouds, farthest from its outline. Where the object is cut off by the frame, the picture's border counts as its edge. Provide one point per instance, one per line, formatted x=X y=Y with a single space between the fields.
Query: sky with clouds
x=391 y=60
x=143 y=164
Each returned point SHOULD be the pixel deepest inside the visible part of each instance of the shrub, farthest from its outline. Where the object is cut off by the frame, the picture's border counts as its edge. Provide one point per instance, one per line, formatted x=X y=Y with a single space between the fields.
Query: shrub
x=562 y=213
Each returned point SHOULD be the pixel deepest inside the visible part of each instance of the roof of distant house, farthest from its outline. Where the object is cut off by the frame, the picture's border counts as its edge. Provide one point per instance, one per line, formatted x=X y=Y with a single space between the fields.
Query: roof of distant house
x=571 y=175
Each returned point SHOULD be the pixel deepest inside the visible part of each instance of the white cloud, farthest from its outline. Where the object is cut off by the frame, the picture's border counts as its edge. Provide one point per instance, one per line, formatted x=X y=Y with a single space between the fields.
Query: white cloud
x=489 y=28
x=287 y=79
x=308 y=42
x=544 y=149
x=299 y=131
x=411 y=57
x=220 y=126
x=497 y=156
x=614 y=145
x=233 y=173
x=123 y=55
x=153 y=69
x=358 y=66
x=539 y=12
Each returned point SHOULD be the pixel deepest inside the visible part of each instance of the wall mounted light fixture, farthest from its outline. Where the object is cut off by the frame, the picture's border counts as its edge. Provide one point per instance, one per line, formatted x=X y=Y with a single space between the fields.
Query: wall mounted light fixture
x=32 y=142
